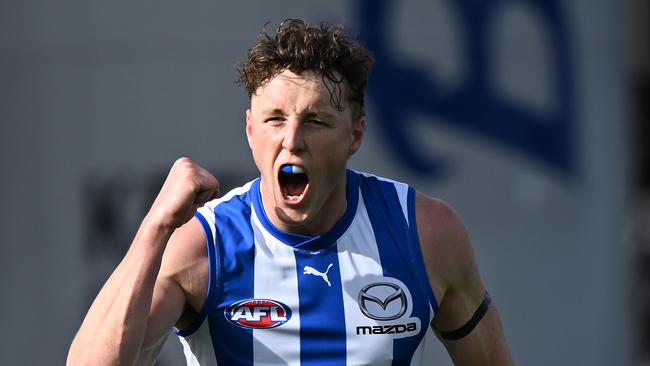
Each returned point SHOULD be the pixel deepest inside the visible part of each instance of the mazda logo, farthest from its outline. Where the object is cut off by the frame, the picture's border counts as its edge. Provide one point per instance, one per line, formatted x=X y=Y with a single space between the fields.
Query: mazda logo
x=389 y=298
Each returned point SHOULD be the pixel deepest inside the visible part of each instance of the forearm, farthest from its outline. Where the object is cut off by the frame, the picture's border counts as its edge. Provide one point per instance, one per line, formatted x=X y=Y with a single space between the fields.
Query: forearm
x=114 y=327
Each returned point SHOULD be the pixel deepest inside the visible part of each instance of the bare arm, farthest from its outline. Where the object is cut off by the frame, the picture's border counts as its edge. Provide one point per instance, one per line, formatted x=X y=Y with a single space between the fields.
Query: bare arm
x=454 y=275
x=139 y=303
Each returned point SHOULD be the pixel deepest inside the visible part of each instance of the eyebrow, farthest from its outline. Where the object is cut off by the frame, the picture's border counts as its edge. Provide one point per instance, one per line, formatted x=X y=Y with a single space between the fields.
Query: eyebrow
x=320 y=114
x=307 y=114
x=276 y=111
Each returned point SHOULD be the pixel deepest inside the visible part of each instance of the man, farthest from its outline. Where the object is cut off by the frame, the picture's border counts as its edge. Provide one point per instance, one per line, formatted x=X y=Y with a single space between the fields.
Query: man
x=310 y=264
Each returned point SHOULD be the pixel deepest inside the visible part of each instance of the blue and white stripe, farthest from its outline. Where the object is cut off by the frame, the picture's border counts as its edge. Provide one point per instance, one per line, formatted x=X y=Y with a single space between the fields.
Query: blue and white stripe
x=318 y=278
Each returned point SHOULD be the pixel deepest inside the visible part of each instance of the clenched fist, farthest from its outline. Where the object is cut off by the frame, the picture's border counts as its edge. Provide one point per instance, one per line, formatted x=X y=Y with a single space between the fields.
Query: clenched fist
x=187 y=187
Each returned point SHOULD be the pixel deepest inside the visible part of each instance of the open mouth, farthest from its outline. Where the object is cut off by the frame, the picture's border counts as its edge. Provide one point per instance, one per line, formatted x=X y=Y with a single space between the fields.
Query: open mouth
x=293 y=182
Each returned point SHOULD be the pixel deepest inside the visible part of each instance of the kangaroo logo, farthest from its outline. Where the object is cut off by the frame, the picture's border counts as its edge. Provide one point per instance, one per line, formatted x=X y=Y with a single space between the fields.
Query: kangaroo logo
x=315 y=272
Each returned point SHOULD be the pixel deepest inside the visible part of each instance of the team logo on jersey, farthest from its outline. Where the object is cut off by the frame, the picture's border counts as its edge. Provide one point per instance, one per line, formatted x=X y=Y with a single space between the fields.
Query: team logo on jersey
x=258 y=313
x=389 y=304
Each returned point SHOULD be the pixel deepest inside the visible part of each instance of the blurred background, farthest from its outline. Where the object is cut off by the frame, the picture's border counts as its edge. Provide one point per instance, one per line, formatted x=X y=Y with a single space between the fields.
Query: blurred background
x=530 y=117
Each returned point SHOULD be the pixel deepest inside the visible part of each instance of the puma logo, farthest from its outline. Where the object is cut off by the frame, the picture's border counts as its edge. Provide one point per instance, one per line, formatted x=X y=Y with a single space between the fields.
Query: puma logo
x=315 y=272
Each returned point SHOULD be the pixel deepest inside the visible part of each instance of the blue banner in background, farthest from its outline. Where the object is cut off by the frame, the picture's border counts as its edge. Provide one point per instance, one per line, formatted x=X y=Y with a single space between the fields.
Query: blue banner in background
x=400 y=90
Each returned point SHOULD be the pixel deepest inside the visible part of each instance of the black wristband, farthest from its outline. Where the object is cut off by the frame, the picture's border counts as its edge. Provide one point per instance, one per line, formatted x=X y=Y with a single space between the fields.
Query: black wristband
x=471 y=324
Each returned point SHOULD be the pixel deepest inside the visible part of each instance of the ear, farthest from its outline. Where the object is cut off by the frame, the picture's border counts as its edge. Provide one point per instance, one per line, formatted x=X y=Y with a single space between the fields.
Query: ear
x=249 y=126
x=358 y=130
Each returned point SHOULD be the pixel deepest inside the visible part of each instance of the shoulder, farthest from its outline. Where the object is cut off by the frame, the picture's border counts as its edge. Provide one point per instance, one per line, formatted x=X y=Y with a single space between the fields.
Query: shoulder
x=436 y=216
x=439 y=226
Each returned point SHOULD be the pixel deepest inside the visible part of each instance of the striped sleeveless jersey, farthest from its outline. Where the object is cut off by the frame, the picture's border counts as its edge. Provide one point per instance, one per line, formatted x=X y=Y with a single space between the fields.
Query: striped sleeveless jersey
x=356 y=295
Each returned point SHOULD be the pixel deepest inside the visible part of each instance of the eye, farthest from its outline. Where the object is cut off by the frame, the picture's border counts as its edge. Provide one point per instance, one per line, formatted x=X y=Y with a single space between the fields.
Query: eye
x=317 y=122
x=274 y=120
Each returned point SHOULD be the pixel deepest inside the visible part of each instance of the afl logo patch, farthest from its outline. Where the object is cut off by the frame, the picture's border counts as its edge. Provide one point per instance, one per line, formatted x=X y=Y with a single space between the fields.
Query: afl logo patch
x=258 y=313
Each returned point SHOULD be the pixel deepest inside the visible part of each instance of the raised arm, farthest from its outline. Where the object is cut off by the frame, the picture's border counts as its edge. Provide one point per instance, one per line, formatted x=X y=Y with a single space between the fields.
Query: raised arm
x=455 y=278
x=148 y=291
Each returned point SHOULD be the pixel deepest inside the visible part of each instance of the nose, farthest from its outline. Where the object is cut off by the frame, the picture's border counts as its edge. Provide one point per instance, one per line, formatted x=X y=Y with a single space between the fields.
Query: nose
x=293 y=139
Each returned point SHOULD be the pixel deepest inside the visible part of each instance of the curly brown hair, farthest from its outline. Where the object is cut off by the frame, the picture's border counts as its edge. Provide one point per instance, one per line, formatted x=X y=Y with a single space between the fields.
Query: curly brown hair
x=300 y=47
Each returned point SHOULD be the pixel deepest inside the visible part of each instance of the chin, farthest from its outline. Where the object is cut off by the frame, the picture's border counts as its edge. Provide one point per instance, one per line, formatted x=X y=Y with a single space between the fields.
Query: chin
x=290 y=216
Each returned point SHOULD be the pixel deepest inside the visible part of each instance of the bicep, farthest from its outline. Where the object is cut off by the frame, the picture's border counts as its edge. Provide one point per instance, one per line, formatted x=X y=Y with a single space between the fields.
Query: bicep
x=167 y=307
x=449 y=260
x=453 y=272
x=180 y=288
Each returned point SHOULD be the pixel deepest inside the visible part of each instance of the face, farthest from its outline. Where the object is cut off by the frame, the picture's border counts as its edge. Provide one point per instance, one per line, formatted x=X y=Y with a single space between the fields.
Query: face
x=301 y=144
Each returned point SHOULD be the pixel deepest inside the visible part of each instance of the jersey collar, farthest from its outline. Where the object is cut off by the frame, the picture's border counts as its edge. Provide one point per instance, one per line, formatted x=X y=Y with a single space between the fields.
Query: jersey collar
x=311 y=243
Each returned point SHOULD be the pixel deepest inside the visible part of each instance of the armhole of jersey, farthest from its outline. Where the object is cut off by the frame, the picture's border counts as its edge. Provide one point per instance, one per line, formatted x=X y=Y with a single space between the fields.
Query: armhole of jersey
x=213 y=244
x=416 y=251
